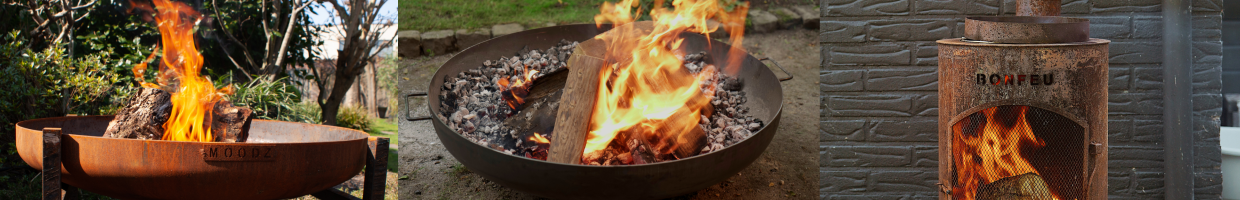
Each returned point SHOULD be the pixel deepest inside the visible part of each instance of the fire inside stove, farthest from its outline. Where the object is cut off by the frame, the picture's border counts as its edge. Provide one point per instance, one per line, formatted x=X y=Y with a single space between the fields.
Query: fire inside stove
x=1017 y=151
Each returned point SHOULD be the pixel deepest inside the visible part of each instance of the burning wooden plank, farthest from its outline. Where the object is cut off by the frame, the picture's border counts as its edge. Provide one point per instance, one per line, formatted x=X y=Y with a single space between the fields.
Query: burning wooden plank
x=673 y=136
x=572 y=125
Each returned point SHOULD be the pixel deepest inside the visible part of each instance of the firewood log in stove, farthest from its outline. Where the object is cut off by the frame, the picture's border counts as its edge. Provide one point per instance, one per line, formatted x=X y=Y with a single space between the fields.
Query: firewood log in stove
x=145 y=113
x=1028 y=186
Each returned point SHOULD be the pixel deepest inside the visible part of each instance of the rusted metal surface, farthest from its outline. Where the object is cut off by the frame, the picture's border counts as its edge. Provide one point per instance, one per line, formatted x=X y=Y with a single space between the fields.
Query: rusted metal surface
x=645 y=181
x=307 y=158
x=1078 y=92
x=1026 y=29
x=1037 y=7
x=51 y=155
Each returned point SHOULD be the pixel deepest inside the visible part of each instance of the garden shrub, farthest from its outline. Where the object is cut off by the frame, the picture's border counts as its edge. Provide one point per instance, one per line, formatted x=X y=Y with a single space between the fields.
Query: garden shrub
x=354 y=118
x=273 y=99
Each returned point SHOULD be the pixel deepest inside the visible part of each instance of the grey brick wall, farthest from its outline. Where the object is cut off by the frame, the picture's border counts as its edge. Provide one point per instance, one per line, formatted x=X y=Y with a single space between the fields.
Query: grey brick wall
x=878 y=87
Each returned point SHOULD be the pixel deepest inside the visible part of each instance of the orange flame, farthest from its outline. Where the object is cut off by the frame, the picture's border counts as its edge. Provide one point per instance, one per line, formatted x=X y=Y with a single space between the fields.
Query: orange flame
x=992 y=154
x=539 y=139
x=650 y=92
x=193 y=96
x=514 y=94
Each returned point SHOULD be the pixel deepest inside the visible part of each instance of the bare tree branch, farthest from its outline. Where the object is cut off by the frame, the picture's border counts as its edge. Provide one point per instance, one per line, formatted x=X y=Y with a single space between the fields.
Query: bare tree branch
x=288 y=34
x=359 y=36
x=225 y=32
x=275 y=23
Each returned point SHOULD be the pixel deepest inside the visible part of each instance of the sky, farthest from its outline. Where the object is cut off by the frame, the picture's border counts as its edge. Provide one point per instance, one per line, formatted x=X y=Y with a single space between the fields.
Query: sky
x=388 y=11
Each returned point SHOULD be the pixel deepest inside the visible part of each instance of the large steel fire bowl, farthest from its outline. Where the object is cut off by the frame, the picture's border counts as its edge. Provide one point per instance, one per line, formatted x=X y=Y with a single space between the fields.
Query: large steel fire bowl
x=647 y=181
x=297 y=159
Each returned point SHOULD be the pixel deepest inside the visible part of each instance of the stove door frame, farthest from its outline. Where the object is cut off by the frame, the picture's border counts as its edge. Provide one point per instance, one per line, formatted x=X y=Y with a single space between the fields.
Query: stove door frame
x=1085 y=159
x=1079 y=93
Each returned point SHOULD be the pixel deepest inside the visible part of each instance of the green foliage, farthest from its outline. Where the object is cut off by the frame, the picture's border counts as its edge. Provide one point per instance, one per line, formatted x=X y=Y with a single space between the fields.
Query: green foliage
x=383 y=128
x=428 y=15
x=272 y=99
x=309 y=111
x=121 y=37
x=244 y=21
x=49 y=83
x=354 y=118
x=454 y=14
x=21 y=186
x=387 y=78
x=90 y=73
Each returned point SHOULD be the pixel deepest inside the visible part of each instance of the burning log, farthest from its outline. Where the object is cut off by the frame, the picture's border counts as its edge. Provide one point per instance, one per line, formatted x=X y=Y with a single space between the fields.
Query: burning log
x=143 y=117
x=230 y=123
x=1028 y=186
x=573 y=125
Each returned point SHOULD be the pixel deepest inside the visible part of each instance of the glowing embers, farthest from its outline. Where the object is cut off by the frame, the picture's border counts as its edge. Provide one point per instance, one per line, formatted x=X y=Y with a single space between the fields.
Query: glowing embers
x=1005 y=151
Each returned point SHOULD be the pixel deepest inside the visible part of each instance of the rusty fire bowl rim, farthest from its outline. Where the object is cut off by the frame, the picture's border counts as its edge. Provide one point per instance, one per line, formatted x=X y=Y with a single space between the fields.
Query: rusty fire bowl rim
x=1026 y=29
x=112 y=166
x=435 y=113
x=25 y=124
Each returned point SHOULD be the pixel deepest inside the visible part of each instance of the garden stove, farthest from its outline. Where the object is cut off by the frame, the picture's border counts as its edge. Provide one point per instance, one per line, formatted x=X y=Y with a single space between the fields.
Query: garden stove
x=1023 y=108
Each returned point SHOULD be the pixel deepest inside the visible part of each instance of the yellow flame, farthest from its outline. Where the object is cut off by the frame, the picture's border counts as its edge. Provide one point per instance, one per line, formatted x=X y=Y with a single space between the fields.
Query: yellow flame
x=193 y=96
x=650 y=92
x=993 y=153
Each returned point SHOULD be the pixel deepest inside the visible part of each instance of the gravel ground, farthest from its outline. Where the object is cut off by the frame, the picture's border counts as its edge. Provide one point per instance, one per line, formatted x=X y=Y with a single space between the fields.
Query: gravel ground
x=787 y=169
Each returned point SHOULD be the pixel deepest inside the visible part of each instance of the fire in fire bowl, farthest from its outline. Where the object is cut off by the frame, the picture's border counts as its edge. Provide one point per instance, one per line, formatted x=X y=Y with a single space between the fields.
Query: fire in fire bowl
x=295 y=159
x=644 y=181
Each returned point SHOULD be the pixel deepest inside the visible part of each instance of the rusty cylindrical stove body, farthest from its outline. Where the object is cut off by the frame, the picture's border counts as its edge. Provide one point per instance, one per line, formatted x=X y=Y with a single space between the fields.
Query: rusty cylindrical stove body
x=292 y=160
x=976 y=75
x=646 y=181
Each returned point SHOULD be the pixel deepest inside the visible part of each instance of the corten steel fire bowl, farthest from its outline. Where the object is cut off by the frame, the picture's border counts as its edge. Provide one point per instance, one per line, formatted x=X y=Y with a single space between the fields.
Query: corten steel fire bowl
x=646 y=181
x=306 y=158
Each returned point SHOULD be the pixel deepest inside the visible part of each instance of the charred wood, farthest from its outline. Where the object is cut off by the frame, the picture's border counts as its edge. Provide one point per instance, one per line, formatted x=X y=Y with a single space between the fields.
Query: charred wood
x=231 y=123
x=142 y=117
x=1028 y=186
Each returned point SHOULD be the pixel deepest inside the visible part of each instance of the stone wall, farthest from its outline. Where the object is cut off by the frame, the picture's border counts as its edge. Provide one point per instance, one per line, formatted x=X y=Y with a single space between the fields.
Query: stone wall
x=879 y=93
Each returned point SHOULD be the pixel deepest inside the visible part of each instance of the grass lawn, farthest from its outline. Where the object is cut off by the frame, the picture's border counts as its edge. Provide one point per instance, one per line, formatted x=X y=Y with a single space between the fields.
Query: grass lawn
x=426 y=15
x=377 y=128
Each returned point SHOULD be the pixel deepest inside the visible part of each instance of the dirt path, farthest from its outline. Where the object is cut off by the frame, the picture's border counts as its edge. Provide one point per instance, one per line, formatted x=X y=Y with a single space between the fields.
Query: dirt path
x=787 y=170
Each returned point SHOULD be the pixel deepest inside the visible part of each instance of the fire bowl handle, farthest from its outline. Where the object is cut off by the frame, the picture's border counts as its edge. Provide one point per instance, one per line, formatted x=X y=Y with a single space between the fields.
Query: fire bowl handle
x=412 y=94
x=781 y=68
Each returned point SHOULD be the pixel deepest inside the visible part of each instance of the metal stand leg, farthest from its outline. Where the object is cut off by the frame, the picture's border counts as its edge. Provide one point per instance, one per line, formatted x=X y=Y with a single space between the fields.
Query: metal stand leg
x=53 y=188
x=376 y=169
x=375 y=182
